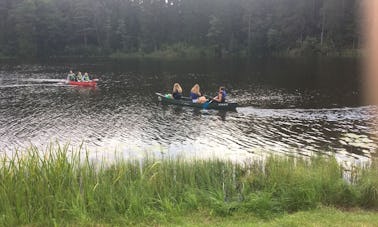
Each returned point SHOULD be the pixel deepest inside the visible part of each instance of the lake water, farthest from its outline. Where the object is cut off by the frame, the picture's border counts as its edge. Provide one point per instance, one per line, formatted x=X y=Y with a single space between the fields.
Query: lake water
x=294 y=107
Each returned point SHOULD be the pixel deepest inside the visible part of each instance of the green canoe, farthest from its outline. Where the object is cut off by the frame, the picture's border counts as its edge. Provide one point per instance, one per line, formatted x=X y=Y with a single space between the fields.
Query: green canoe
x=186 y=101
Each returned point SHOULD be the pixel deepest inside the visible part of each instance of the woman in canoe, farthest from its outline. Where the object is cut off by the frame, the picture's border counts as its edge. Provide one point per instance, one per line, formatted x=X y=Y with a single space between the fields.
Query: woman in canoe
x=221 y=97
x=79 y=77
x=196 y=95
x=177 y=91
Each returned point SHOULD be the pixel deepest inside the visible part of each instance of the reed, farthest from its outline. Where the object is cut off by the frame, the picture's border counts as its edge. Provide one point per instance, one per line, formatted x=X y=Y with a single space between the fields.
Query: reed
x=63 y=187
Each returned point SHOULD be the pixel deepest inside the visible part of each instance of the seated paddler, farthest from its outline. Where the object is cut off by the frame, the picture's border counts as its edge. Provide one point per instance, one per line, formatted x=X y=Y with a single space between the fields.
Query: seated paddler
x=221 y=97
x=177 y=91
x=71 y=76
x=86 y=77
x=196 y=95
x=79 y=77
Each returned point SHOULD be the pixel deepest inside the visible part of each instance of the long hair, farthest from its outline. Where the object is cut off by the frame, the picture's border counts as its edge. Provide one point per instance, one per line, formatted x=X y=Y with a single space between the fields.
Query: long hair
x=177 y=88
x=195 y=89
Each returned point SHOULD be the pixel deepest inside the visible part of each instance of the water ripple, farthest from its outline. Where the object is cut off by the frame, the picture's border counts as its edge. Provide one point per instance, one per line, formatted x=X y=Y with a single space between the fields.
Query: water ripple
x=123 y=114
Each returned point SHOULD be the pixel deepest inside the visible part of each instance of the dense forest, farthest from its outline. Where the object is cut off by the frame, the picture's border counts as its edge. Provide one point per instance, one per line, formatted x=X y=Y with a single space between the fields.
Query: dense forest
x=37 y=28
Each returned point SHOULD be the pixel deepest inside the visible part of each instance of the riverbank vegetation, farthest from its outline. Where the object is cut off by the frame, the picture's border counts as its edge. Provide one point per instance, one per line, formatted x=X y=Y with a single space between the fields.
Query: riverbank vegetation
x=63 y=187
x=175 y=51
x=180 y=29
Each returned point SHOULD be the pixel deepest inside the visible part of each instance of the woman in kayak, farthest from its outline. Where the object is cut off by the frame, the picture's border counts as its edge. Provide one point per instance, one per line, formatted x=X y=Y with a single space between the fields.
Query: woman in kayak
x=221 y=97
x=79 y=77
x=71 y=76
x=196 y=95
x=177 y=91
x=86 y=77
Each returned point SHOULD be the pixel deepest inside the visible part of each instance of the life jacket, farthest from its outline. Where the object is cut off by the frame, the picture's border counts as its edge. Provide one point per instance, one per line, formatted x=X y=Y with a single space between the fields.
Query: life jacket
x=193 y=96
x=176 y=95
x=224 y=94
x=71 y=76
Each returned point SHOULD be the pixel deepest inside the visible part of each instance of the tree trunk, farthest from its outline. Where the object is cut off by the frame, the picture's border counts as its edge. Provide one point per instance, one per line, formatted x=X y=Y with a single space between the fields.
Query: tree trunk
x=249 y=34
x=322 y=32
x=99 y=40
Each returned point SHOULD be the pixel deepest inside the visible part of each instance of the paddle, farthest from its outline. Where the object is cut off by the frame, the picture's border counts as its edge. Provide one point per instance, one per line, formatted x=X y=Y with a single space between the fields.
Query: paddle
x=206 y=104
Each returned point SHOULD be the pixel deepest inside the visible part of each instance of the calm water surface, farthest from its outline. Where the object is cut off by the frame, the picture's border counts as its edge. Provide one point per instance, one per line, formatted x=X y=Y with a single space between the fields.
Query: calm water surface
x=287 y=106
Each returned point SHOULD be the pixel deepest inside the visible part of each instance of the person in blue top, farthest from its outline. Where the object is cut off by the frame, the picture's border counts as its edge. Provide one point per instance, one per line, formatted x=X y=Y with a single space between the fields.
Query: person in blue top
x=221 y=97
x=177 y=91
x=196 y=95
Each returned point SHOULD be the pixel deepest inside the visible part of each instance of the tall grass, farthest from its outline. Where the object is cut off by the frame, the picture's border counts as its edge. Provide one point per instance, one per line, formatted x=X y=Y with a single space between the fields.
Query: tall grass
x=60 y=186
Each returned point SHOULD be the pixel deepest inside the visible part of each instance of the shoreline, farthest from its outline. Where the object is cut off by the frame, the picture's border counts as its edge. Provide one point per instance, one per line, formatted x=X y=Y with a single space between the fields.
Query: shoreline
x=164 y=55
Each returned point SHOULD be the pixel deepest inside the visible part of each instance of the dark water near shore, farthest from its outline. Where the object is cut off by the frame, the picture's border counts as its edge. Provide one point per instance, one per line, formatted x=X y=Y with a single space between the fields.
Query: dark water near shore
x=287 y=106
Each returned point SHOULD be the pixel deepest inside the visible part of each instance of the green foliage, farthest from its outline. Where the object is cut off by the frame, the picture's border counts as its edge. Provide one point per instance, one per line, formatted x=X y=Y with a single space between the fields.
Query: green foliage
x=175 y=51
x=310 y=46
x=81 y=51
x=263 y=205
x=63 y=187
x=367 y=183
x=31 y=28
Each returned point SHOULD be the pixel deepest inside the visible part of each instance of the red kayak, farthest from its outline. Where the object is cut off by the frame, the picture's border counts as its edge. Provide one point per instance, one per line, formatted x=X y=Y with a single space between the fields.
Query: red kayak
x=91 y=83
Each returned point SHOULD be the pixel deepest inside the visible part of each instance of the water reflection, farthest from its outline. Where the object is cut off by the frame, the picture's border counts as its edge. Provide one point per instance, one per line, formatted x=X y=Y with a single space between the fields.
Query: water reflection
x=297 y=118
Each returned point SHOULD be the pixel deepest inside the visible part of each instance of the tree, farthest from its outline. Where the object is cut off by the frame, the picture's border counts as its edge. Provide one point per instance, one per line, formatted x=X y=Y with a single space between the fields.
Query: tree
x=230 y=27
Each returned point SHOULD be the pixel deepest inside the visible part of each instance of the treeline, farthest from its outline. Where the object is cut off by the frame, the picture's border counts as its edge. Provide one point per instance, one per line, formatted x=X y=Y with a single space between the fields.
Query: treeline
x=34 y=28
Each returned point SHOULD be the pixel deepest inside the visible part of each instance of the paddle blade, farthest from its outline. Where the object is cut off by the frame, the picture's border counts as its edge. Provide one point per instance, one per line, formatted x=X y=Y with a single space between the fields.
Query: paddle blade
x=206 y=104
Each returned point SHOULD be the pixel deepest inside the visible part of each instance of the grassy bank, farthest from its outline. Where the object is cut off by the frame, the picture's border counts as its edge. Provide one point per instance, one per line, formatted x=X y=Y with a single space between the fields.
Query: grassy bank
x=324 y=216
x=60 y=187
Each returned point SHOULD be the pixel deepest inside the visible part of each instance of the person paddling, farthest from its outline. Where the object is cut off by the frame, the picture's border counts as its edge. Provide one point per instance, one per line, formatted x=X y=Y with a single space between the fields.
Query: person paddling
x=177 y=91
x=221 y=97
x=79 y=77
x=71 y=76
x=196 y=95
x=86 y=77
